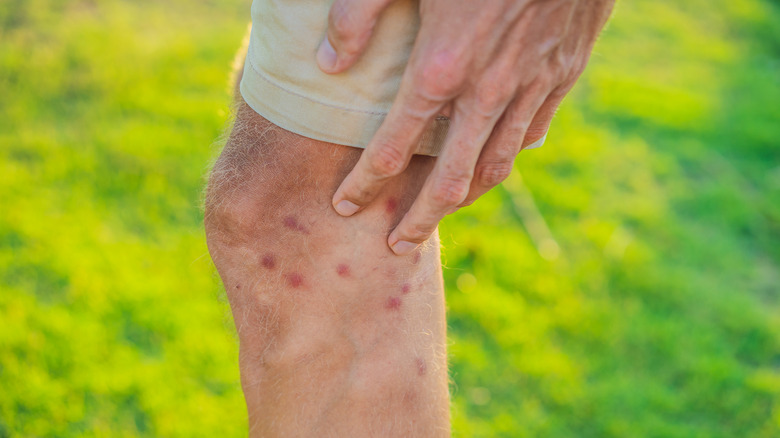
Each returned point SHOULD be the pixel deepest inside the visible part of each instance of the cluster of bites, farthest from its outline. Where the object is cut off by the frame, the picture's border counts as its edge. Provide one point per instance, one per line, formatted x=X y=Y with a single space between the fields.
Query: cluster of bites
x=296 y=279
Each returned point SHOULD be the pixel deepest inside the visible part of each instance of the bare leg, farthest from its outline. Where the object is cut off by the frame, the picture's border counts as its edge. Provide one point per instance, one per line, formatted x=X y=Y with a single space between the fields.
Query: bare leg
x=338 y=336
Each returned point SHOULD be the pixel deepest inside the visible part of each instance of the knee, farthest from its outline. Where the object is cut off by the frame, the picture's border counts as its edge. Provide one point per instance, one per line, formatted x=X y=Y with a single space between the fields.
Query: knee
x=250 y=192
x=245 y=186
x=230 y=210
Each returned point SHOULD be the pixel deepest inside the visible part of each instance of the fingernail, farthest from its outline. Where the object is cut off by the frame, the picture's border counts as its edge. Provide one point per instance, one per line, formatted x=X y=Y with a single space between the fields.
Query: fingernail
x=326 y=56
x=537 y=143
x=403 y=247
x=346 y=208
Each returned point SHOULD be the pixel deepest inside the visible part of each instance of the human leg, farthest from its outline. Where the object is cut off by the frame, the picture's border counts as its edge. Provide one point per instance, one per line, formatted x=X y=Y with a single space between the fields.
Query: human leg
x=338 y=336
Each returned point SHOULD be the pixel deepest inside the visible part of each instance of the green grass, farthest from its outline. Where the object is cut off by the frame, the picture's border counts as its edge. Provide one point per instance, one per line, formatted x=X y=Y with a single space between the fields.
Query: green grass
x=624 y=283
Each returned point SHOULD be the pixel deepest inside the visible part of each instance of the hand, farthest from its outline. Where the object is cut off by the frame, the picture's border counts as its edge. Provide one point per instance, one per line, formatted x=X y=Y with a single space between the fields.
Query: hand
x=498 y=68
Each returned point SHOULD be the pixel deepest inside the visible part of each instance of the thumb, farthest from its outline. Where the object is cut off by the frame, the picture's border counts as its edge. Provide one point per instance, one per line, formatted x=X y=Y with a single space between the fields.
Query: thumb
x=350 y=25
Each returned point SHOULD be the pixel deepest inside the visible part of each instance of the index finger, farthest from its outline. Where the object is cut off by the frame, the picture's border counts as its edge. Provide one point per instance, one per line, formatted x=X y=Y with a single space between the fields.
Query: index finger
x=389 y=151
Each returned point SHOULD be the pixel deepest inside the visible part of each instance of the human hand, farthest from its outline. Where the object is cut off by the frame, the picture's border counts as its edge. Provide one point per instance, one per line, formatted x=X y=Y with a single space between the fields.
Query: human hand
x=498 y=68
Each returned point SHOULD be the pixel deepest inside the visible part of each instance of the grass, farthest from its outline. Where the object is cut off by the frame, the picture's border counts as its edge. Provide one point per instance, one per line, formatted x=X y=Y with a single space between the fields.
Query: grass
x=624 y=282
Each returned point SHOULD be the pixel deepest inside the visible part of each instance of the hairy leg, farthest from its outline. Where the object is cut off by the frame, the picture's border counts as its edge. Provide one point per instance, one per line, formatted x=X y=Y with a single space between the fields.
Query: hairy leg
x=338 y=336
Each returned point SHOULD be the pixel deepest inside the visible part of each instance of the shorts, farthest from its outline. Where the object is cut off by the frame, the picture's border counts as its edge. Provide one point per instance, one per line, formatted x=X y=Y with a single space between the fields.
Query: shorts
x=283 y=83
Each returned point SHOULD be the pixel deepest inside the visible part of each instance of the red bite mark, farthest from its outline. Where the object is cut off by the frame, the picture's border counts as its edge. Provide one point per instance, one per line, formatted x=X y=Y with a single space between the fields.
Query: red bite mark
x=293 y=224
x=268 y=261
x=238 y=286
x=342 y=270
x=421 y=366
x=391 y=205
x=406 y=288
x=416 y=258
x=295 y=279
x=393 y=303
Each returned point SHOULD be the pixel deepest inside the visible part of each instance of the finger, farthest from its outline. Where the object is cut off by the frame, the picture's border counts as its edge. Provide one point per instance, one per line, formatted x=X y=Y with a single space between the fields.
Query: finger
x=537 y=130
x=448 y=183
x=430 y=81
x=389 y=151
x=350 y=25
x=498 y=156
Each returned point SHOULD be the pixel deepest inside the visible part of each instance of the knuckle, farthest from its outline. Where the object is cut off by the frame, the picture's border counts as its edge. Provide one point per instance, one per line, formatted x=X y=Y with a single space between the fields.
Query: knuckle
x=509 y=138
x=451 y=191
x=441 y=75
x=516 y=132
x=558 y=64
x=340 y=22
x=492 y=96
x=578 y=64
x=492 y=174
x=419 y=232
x=349 y=49
x=566 y=66
x=576 y=71
x=357 y=193
x=386 y=161
x=488 y=100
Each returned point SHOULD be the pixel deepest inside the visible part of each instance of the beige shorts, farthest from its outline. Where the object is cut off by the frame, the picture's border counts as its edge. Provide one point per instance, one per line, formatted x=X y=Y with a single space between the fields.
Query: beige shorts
x=283 y=83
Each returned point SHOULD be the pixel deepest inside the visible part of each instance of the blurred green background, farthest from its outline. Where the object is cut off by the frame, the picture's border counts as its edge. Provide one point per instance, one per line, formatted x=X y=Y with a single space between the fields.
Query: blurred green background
x=623 y=283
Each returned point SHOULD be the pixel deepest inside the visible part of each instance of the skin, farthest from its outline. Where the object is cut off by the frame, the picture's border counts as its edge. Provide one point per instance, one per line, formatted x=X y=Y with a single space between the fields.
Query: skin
x=337 y=335
x=498 y=68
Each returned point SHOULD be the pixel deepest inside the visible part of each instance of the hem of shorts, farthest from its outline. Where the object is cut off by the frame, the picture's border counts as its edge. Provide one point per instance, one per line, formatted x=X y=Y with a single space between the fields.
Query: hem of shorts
x=322 y=121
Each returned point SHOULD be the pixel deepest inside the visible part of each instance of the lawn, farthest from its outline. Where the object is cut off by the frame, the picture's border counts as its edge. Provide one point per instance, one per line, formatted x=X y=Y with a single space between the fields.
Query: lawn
x=624 y=282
